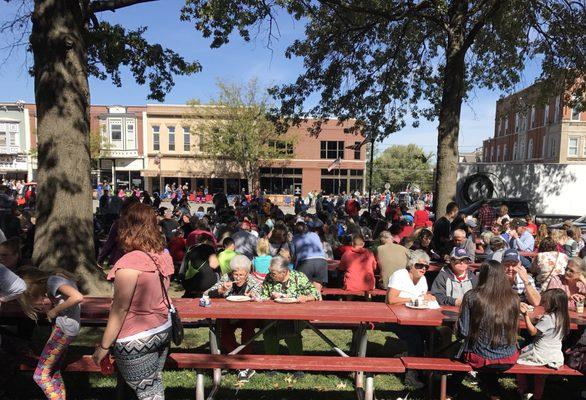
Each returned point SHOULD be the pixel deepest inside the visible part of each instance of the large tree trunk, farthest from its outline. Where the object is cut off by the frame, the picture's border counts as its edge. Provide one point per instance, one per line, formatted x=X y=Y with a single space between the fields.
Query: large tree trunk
x=64 y=234
x=449 y=119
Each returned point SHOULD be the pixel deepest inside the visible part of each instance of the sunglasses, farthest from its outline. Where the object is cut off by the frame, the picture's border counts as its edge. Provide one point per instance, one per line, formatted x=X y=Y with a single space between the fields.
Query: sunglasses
x=421 y=266
x=461 y=261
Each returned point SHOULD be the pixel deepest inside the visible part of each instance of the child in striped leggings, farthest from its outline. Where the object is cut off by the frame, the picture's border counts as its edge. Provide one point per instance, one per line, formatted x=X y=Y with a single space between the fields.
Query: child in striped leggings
x=65 y=314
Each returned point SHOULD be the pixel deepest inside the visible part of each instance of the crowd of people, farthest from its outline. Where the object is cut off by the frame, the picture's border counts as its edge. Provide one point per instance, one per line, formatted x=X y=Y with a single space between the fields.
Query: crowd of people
x=251 y=247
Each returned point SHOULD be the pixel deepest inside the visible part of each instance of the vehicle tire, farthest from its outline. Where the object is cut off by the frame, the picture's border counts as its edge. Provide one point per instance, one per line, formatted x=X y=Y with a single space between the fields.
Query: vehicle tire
x=476 y=187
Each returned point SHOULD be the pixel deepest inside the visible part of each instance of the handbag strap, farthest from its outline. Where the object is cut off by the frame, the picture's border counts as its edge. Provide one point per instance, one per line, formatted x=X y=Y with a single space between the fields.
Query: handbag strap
x=162 y=280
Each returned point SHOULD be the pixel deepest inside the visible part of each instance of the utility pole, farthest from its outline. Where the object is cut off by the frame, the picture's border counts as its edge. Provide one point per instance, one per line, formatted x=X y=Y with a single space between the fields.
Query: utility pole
x=370 y=173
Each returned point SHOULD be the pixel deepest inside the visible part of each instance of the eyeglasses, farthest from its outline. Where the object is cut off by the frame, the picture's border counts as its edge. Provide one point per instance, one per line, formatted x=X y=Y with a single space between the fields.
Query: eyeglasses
x=461 y=261
x=421 y=266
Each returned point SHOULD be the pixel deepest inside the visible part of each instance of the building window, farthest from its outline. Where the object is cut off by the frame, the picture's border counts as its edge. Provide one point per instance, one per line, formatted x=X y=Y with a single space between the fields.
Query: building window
x=544 y=147
x=533 y=122
x=116 y=132
x=282 y=147
x=357 y=150
x=9 y=134
x=156 y=138
x=530 y=149
x=505 y=152
x=498 y=152
x=171 y=138
x=506 y=125
x=280 y=180
x=573 y=146
x=546 y=115
x=575 y=115
x=186 y=139
x=331 y=150
x=552 y=147
x=492 y=154
x=514 y=151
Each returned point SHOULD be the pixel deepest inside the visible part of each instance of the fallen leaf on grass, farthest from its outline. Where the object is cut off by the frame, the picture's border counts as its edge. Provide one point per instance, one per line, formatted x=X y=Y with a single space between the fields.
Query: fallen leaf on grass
x=341 y=385
x=289 y=379
x=239 y=384
x=276 y=385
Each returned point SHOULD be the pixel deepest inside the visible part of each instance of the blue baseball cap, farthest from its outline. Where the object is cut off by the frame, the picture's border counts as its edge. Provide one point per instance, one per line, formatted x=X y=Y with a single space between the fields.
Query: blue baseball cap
x=511 y=255
x=459 y=253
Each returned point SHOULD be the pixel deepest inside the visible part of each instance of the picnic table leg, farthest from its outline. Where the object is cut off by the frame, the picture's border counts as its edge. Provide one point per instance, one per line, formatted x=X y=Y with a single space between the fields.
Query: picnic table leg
x=257 y=334
x=326 y=339
x=214 y=349
x=430 y=350
x=369 y=388
x=362 y=339
x=199 y=386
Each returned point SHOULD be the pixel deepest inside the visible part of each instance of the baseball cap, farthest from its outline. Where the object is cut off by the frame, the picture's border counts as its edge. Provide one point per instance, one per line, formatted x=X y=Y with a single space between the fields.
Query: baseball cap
x=511 y=255
x=459 y=253
x=518 y=222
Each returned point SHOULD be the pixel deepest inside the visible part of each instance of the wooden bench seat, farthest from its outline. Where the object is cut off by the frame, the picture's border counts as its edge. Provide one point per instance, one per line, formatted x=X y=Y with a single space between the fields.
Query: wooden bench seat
x=446 y=365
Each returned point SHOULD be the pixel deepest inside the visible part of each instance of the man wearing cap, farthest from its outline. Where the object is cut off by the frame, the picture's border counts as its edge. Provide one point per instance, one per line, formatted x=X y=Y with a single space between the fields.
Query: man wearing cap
x=455 y=279
x=523 y=284
x=245 y=241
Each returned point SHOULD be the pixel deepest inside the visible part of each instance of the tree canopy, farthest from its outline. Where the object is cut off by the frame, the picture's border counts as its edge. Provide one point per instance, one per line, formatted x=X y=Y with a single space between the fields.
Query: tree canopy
x=401 y=166
x=384 y=61
x=236 y=127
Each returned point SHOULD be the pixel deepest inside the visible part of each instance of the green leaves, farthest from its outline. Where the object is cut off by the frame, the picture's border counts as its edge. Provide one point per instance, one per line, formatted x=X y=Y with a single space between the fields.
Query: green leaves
x=403 y=165
x=110 y=47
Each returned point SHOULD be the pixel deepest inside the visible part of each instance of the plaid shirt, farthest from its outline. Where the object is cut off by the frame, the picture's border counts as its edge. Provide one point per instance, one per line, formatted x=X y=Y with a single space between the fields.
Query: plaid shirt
x=486 y=216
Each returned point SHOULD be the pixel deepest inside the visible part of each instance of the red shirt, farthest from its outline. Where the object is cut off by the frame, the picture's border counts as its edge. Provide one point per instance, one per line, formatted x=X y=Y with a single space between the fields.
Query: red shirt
x=420 y=219
x=177 y=249
x=359 y=264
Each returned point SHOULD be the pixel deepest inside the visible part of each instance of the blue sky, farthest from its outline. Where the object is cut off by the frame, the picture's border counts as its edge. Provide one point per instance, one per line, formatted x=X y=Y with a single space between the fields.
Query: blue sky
x=238 y=62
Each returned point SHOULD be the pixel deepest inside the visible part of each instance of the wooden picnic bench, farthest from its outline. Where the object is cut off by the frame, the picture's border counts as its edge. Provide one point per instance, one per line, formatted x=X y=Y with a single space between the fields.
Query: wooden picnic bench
x=446 y=365
x=309 y=363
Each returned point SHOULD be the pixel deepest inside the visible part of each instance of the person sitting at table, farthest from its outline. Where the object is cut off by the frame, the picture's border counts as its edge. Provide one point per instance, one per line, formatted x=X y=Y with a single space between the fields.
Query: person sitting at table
x=454 y=280
x=488 y=323
x=498 y=246
x=200 y=269
x=262 y=261
x=390 y=257
x=548 y=263
x=573 y=282
x=460 y=240
x=404 y=286
x=359 y=265
x=281 y=282
x=522 y=283
x=549 y=331
x=239 y=282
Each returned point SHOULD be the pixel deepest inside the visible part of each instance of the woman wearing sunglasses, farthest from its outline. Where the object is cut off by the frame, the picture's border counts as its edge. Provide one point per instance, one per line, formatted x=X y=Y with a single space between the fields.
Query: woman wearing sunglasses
x=410 y=283
x=406 y=285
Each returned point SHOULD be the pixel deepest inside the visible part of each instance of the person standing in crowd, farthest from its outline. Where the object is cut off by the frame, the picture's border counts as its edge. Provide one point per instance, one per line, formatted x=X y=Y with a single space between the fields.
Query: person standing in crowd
x=548 y=263
x=442 y=229
x=488 y=323
x=309 y=255
x=65 y=315
x=486 y=216
x=225 y=257
x=245 y=241
x=503 y=214
x=521 y=238
x=138 y=331
x=461 y=241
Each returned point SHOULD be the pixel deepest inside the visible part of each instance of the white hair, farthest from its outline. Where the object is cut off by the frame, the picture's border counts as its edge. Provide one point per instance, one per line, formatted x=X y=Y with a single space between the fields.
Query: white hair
x=416 y=256
x=240 y=262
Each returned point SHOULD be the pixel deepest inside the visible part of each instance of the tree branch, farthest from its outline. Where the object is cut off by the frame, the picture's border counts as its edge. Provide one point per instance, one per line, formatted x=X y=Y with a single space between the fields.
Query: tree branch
x=113 y=5
x=480 y=23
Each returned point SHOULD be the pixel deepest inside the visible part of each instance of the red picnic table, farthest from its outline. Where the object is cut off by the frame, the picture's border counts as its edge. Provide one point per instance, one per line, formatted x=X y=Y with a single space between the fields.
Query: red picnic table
x=449 y=314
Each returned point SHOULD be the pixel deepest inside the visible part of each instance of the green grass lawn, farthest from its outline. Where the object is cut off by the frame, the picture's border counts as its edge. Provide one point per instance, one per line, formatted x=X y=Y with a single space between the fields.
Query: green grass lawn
x=180 y=384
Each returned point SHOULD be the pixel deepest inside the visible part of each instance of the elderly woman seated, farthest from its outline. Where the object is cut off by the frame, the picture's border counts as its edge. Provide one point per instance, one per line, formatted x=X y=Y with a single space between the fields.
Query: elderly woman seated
x=280 y=283
x=239 y=282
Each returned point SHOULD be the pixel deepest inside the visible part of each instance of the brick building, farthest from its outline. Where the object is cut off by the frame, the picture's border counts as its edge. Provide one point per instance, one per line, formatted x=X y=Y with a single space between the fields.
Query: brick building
x=529 y=129
x=173 y=155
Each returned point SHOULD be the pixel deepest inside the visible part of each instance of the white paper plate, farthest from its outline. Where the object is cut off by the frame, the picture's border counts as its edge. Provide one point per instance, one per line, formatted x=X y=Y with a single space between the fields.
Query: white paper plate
x=238 y=298
x=413 y=306
x=287 y=300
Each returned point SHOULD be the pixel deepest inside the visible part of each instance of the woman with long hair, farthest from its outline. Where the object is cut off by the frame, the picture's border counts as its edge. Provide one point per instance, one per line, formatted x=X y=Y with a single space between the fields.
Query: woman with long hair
x=139 y=325
x=489 y=319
